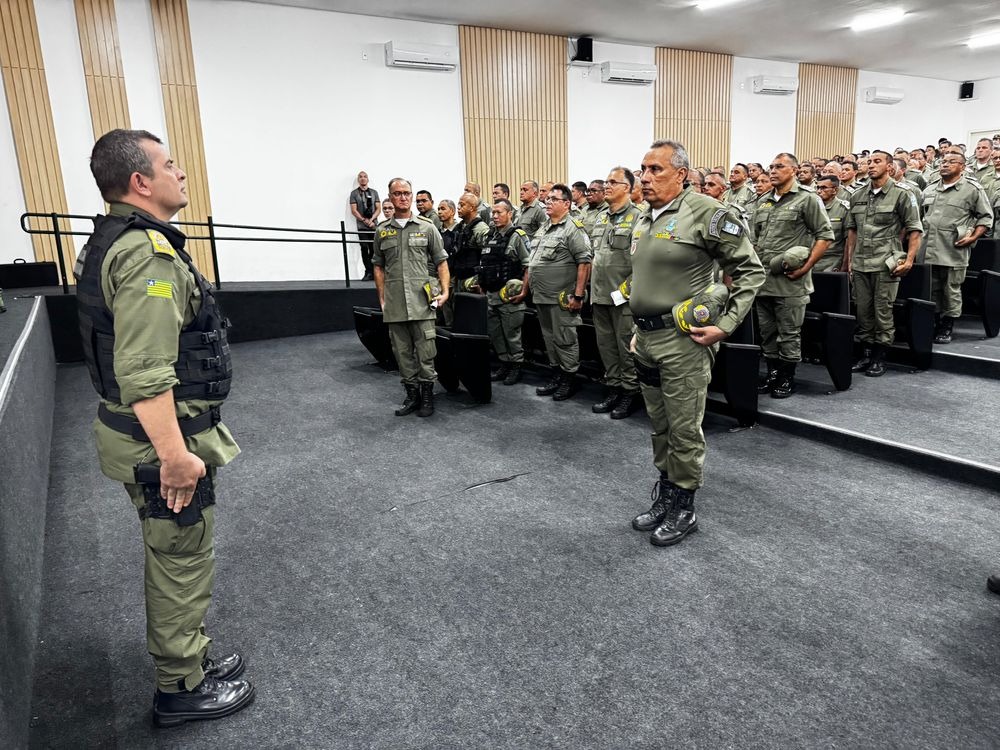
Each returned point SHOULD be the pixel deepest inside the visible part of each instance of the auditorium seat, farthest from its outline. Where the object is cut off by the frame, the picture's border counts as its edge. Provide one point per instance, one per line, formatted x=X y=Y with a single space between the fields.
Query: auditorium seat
x=463 y=351
x=828 y=330
x=981 y=290
x=375 y=336
x=913 y=314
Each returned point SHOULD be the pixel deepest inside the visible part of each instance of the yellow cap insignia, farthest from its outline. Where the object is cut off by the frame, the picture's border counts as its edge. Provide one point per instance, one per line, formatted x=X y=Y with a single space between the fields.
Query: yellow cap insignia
x=159 y=288
x=161 y=245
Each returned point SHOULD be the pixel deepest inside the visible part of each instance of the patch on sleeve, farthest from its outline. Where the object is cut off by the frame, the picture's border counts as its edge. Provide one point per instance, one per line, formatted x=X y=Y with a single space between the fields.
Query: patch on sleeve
x=913 y=200
x=713 y=225
x=159 y=288
x=732 y=227
x=161 y=245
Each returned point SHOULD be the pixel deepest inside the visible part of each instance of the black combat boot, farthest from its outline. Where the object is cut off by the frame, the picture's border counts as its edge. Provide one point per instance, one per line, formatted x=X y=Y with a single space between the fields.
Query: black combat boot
x=567 y=387
x=993 y=583
x=426 y=400
x=766 y=382
x=784 y=383
x=662 y=498
x=679 y=521
x=211 y=699
x=866 y=359
x=553 y=385
x=500 y=373
x=877 y=367
x=412 y=400
x=943 y=334
x=223 y=668
x=607 y=403
x=626 y=404
x=513 y=375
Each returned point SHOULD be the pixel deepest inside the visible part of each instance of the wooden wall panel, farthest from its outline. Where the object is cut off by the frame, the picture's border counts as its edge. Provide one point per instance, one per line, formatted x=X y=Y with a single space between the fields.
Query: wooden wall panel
x=102 y=65
x=183 y=115
x=513 y=107
x=693 y=103
x=824 y=117
x=31 y=122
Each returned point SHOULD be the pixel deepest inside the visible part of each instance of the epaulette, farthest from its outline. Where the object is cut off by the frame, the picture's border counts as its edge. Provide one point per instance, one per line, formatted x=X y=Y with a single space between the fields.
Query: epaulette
x=579 y=223
x=418 y=217
x=518 y=230
x=845 y=204
x=161 y=245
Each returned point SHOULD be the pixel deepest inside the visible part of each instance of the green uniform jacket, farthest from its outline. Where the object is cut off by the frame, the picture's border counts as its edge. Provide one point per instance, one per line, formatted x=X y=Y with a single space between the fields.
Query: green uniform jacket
x=836 y=209
x=796 y=218
x=433 y=218
x=519 y=249
x=879 y=218
x=591 y=214
x=532 y=217
x=406 y=253
x=982 y=174
x=147 y=329
x=558 y=250
x=916 y=177
x=741 y=197
x=674 y=257
x=611 y=238
x=950 y=211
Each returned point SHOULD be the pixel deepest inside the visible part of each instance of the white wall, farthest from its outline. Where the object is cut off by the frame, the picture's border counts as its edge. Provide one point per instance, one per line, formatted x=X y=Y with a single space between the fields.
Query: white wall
x=609 y=123
x=983 y=112
x=137 y=46
x=929 y=110
x=762 y=125
x=13 y=242
x=290 y=117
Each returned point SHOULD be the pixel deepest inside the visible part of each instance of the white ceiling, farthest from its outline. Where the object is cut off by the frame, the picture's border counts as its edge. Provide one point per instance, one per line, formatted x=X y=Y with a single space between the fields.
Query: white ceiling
x=930 y=42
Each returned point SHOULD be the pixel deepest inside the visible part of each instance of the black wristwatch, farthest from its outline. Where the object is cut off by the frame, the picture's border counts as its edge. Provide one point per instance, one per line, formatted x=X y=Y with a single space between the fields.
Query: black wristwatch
x=576 y=296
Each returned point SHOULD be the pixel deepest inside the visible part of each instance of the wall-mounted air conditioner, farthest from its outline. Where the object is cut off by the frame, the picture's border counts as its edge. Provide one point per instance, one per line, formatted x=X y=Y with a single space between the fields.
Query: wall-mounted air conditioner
x=883 y=95
x=424 y=56
x=775 y=85
x=620 y=72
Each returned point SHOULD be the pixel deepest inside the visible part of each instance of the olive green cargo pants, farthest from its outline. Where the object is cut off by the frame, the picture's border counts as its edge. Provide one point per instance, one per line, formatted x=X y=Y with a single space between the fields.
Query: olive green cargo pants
x=559 y=332
x=503 y=324
x=780 y=320
x=946 y=290
x=874 y=293
x=414 y=342
x=613 y=329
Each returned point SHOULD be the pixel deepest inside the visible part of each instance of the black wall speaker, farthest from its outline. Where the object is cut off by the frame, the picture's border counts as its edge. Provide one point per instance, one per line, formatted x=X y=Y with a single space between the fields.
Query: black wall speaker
x=965 y=90
x=584 y=50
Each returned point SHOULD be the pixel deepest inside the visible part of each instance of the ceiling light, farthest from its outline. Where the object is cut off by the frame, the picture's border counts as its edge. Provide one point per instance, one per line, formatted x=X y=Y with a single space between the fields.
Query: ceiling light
x=984 y=40
x=713 y=4
x=878 y=19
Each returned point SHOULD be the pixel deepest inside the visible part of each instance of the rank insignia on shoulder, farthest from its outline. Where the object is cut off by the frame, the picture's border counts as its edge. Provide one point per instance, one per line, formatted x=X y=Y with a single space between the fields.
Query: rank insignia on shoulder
x=578 y=223
x=161 y=245
x=159 y=288
x=521 y=232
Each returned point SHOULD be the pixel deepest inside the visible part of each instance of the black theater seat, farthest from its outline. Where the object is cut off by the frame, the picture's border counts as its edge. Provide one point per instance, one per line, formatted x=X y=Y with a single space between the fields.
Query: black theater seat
x=913 y=314
x=463 y=351
x=375 y=336
x=981 y=290
x=828 y=330
x=734 y=374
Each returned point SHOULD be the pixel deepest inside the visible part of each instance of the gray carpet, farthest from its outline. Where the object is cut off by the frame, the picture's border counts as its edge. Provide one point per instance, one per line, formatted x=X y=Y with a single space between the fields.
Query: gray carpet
x=969 y=338
x=828 y=601
x=12 y=322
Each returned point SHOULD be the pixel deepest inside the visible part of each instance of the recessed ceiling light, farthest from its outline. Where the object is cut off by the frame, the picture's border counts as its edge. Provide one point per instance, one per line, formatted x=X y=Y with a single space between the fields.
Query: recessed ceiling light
x=984 y=40
x=878 y=19
x=713 y=4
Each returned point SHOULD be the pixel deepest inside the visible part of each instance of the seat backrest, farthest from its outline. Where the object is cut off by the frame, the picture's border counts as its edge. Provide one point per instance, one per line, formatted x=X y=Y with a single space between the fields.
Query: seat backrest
x=832 y=293
x=916 y=284
x=470 y=314
x=985 y=256
x=743 y=333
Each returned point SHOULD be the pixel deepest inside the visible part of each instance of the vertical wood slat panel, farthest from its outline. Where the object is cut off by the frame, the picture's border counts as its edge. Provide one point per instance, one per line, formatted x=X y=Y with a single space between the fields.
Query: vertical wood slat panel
x=824 y=117
x=102 y=65
x=513 y=106
x=692 y=103
x=183 y=116
x=32 y=124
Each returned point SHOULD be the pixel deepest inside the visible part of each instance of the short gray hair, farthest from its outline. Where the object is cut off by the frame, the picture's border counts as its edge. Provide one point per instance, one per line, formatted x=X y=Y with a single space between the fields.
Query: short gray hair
x=679 y=159
x=449 y=203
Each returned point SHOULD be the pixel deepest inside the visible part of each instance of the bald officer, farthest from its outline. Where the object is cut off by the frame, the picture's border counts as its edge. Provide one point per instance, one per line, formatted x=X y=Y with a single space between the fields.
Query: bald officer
x=677 y=249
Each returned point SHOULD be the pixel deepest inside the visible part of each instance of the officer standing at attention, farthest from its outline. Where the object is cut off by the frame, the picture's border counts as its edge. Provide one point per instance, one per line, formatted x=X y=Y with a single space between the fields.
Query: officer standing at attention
x=425 y=208
x=611 y=239
x=956 y=214
x=740 y=190
x=155 y=342
x=674 y=255
x=482 y=208
x=596 y=204
x=365 y=207
x=532 y=213
x=786 y=217
x=881 y=212
x=405 y=248
x=469 y=242
x=836 y=209
x=505 y=258
x=557 y=272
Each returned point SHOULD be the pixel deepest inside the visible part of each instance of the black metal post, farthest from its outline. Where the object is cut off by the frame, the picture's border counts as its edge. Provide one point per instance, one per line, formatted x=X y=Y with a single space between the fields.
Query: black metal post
x=59 y=252
x=215 y=253
x=343 y=242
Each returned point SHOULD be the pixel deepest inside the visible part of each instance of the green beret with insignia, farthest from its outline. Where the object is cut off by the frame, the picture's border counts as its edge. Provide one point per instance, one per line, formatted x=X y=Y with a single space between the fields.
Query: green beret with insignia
x=790 y=260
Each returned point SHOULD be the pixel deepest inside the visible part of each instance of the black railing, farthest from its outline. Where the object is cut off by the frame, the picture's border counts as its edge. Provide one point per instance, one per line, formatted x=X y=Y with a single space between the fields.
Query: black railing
x=340 y=236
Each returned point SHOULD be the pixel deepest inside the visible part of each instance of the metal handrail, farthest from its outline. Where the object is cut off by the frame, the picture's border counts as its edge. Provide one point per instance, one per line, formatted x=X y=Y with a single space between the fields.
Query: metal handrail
x=211 y=237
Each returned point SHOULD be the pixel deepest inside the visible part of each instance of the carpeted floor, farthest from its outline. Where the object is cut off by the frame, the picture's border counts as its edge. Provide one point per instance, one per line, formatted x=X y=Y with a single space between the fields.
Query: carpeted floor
x=828 y=600
x=969 y=338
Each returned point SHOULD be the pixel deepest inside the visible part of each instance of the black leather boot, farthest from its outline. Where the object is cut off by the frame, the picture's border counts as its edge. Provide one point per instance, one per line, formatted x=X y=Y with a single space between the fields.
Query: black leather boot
x=784 y=384
x=224 y=668
x=866 y=359
x=211 y=699
x=426 y=400
x=513 y=375
x=412 y=400
x=626 y=404
x=552 y=386
x=943 y=334
x=500 y=373
x=679 y=521
x=567 y=387
x=766 y=382
x=662 y=499
x=607 y=403
x=877 y=367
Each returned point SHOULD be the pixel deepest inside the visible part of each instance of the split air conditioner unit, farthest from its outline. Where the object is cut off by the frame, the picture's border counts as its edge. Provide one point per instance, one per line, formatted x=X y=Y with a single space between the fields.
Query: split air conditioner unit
x=620 y=72
x=423 y=56
x=883 y=95
x=775 y=85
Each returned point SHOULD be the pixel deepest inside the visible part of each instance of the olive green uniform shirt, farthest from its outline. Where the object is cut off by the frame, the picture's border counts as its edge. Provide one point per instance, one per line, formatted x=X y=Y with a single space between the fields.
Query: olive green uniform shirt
x=558 y=250
x=147 y=331
x=950 y=211
x=532 y=217
x=406 y=253
x=433 y=218
x=591 y=213
x=880 y=217
x=611 y=238
x=676 y=255
x=741 y=197
x=780 y=223
x=836 y=209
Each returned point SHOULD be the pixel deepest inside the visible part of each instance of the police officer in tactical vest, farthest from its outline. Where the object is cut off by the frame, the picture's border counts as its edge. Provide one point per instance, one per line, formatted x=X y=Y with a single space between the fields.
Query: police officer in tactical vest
x=155 y=342
x=468 y=245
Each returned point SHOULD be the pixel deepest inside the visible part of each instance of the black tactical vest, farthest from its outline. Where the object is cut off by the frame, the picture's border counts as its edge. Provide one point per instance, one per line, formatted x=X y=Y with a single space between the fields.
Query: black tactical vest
x=204 y=366
x=465 y=260
x=496 y=267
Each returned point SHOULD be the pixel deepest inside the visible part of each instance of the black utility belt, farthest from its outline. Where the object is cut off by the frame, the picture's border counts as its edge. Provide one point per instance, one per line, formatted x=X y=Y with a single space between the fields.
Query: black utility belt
x=652 y=322
x=133 y=428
